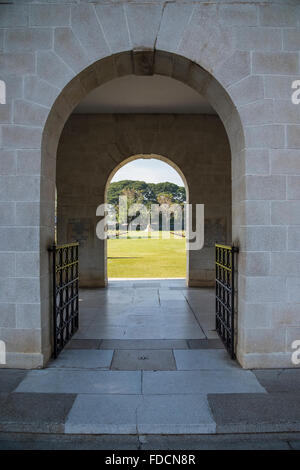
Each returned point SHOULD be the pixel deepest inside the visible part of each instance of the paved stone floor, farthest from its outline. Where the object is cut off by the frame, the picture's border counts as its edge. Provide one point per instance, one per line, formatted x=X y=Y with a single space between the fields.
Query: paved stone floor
x=146 y=361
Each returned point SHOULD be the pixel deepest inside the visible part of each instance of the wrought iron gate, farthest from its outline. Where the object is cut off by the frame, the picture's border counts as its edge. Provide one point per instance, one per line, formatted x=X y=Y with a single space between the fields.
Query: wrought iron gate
x=225 y=295
x=65 y=294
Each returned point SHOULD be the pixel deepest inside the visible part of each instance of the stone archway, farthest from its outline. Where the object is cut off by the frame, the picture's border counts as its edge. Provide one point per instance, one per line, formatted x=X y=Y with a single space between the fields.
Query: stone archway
x=168 y=162
x=141 y=62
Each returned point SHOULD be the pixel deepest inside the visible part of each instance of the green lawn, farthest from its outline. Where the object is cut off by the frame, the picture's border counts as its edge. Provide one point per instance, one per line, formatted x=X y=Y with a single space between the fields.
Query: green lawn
x=146 y=257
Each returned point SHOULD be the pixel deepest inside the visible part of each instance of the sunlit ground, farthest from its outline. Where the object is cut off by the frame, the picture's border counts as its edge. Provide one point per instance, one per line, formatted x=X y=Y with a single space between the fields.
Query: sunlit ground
x=146 y=256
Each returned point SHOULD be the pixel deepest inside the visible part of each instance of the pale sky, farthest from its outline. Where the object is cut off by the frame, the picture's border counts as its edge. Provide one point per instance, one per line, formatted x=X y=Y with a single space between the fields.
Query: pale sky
x=149 y=170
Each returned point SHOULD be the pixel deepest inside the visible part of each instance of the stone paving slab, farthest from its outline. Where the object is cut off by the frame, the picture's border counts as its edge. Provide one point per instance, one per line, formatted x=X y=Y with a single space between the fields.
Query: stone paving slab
x=84 y=344
x=83 y=359
x=10 y=379
x=103 y=414
x=143 y=359
x=205 y=359
x=200 y=381
x=144 y=344
x=204 y=344
x=237 y=413
x=175 y=414
x=28 y=412
x=279 y=380
x=81 y=381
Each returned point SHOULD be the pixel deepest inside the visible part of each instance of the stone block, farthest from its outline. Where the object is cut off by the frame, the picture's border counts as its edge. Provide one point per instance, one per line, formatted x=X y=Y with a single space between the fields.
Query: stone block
x=263 y=289
x=255 y=413
x=285 y=213
x=293 y=288
x=143 y=24
x=285 y=162
x=238 y=15
x=87 y=29
x=27 y=264
x=269 y=136
x=39 y=91
x=255 y=315
x=279 y=381
x=293 y=136
x=27 y=213
x=82 y=381
x=69 y=49
x=265 y=187
x=234 y=69
x=278 y=15
x=259 y=112
x=294 y=238
x=282 y=63
x=34 y=413
x=28 y=316
x=28 y=162
x=27 y=289
x=6 y=113
x=28 y=39
x=18 y=188
x=7 y=290
x=150 y=359
x=264 y=340
x=291 y=40
x=103 y=414
x=286 y=112
x=52 y=69
x=113 y=21
x=182 y=382
x=10 y=379
x=254 y=264
x=49 y=15
x=205 y=359
x=264 y=238
x=258 y=39
x=17 y=62
x=30 y=114
x=14 y=85
x=293 y=187
x=173 y=23
x=7 y=265
x=13 y=15
x=175 y=414
x=279 y=88
x=285 y=264
x=255 y=213
x=7 y=162
x=83 y=359
x=19 y=238
x=248 y=90
x=257 y=162
x=7 y=213
x=15 y=136
x=7 y=318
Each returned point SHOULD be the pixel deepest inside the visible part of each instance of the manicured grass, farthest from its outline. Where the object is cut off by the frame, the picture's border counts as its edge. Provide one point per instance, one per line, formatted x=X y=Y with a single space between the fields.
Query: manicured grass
x=146 y=257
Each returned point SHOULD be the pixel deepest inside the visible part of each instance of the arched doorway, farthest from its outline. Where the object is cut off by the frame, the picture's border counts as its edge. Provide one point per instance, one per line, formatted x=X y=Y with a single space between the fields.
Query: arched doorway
x=199 y=80
x=149 y=181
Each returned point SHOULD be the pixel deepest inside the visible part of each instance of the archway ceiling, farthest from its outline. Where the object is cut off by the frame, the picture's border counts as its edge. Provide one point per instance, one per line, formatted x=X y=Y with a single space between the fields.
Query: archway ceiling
x=144 y=94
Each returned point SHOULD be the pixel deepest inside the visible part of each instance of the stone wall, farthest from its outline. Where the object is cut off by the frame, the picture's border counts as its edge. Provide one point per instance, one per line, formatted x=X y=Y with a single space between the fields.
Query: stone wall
x=241 y=56
x=92 y=146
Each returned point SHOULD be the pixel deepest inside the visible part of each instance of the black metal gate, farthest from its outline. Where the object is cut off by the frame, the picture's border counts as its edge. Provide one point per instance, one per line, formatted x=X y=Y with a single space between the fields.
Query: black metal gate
x=225 y=295
x=65 y=294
